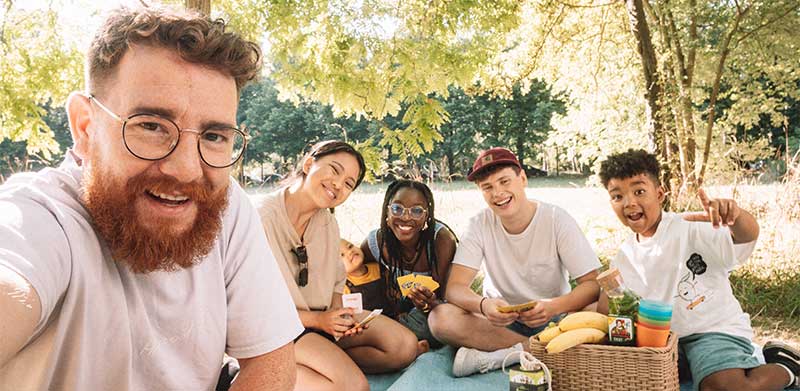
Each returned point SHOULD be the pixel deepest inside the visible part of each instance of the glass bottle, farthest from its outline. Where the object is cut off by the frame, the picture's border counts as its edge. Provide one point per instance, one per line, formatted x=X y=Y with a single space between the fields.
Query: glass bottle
x=623 y=305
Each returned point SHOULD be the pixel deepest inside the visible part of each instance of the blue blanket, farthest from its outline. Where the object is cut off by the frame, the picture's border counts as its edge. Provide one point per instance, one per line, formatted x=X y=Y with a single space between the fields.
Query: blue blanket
x=433 y=371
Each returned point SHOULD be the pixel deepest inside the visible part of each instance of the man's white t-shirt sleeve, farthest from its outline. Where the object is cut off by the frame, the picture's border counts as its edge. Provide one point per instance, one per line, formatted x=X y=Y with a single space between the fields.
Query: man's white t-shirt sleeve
x=35 y=247
x=261 y=314
x=469 y=252
x=574 y=249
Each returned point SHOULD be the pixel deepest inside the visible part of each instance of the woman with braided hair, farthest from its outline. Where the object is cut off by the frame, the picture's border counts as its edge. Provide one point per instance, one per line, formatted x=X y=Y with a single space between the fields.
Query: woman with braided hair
x=411 y=241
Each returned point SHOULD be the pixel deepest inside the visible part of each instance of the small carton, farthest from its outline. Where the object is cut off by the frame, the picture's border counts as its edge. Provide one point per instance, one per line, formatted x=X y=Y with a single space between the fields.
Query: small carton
x=523 y=380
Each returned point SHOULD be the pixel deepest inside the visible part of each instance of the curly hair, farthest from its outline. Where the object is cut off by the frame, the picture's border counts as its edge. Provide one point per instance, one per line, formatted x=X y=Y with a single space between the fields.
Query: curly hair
x=194 y=37
x=629 y=164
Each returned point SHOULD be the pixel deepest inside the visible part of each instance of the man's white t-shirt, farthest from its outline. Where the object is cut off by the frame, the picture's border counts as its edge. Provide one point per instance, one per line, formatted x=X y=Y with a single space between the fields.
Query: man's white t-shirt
x=534 y=264
x=688 y=264
x=103 y=327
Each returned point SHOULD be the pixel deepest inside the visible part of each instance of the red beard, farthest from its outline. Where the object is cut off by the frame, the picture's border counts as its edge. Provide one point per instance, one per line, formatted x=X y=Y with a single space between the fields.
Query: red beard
x=144 y=249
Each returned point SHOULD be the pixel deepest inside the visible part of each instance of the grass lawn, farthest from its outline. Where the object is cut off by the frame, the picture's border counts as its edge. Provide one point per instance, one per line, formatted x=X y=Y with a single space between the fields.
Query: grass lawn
x=768 y=285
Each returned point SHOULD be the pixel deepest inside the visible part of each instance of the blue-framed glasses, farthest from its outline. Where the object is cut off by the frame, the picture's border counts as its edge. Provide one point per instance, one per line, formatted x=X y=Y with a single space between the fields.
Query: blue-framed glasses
x=415 y=212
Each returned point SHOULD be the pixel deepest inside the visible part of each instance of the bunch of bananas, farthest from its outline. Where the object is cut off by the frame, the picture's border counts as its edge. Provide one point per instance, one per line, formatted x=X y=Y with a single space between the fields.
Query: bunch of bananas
x=573 y=330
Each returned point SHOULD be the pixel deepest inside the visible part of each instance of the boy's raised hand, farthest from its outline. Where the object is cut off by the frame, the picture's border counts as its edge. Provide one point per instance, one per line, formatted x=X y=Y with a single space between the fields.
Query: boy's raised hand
x=718 y=211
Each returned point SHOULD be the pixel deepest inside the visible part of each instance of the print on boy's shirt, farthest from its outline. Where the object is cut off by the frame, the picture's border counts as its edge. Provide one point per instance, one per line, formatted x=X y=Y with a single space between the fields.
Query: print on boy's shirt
x=691 y=289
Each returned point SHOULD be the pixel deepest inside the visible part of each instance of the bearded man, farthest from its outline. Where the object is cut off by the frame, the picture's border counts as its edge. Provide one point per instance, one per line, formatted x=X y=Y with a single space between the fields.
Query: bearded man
x=138 y=262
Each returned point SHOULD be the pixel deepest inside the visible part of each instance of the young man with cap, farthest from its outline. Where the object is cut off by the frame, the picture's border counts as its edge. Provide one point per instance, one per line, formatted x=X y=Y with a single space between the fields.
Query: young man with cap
x=529 y=250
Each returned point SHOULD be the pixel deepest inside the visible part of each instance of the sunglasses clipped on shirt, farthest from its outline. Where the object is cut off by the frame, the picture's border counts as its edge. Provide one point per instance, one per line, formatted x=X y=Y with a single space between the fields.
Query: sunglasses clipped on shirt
x=302 y=259
x=415 y=212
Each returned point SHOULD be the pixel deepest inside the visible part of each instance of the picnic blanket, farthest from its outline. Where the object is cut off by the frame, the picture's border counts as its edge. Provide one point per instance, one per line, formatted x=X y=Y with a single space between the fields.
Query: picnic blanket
x=433 y=371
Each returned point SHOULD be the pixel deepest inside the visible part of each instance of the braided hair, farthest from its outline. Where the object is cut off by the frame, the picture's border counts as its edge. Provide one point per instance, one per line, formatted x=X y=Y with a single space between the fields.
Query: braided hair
x=394 y=248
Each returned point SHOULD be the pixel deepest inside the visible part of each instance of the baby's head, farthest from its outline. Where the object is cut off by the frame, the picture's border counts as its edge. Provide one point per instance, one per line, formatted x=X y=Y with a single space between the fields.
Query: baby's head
x=351 y=255
x=631 y=179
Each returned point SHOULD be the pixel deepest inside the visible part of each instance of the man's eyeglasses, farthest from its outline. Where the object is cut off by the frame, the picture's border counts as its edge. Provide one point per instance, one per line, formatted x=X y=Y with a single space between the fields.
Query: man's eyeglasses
x=415 y=212
x=153 y=137
x=302 y=258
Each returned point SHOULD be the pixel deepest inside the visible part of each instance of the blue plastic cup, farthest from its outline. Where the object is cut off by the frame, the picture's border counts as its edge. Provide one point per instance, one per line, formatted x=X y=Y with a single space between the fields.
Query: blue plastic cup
x=656 y=310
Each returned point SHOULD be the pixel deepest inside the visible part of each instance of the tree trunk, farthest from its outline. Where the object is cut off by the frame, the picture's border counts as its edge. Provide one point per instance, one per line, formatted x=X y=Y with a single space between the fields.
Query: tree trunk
x=520 y=146
x=202 y=6
x=451 y=165
x=653 y=88
x=684 y=70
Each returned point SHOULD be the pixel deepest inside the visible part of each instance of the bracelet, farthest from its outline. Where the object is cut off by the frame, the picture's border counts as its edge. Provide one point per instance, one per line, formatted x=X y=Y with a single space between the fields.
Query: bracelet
x=481 y=305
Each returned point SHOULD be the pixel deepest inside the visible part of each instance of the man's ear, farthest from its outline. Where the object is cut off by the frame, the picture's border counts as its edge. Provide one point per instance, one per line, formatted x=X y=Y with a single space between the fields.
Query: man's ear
x=79 y=114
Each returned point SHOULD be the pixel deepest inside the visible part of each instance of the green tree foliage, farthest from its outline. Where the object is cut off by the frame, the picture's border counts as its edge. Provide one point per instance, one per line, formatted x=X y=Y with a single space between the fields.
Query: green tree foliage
x=372 y=58
x=470 y=117
x=15 y=157
x=523 y=120
x=677 y=59
x=281 y=132
x=38 y=67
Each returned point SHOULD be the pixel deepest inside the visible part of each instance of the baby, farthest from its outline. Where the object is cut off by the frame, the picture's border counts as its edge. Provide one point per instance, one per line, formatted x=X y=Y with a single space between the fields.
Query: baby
x=361 y=277
x=366 y=279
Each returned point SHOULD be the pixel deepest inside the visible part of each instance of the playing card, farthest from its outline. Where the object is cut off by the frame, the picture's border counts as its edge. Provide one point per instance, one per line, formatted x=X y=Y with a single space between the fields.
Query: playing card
x=517 y=307
x=427 y=282
x=406 y=283
x=354 y=301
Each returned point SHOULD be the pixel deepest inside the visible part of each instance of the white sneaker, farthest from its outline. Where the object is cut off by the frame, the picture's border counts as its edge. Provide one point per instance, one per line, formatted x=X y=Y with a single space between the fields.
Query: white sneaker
x=469 y=361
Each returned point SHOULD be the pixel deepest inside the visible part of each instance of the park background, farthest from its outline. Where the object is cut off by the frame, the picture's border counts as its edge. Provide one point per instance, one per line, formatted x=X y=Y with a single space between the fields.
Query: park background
x=421 y=86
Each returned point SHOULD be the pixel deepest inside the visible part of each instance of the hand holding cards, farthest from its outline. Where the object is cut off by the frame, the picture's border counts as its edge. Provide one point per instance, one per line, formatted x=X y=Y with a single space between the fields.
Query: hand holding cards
x=364 y=322
x=517 y=307
x=410 y=281
x=372 y=315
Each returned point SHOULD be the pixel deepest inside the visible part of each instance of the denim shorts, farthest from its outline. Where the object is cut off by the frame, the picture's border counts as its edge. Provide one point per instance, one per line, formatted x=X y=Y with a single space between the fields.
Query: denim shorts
x=520 y=328
x=705 y=353
x=417 y=321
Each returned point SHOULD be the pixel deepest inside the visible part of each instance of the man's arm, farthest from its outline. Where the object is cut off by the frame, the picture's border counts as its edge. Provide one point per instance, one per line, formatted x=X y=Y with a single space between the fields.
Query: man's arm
x=460 y=294
x=20 y=309
x=585 y=293
x=275 y=370
x=458 y=291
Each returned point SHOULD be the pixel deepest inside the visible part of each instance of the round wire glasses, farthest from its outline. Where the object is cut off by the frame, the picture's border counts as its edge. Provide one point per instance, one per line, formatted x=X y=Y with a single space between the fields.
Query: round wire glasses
x=153 y=137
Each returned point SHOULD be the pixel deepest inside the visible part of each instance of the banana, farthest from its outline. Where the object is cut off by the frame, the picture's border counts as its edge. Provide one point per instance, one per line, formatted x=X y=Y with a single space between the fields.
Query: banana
x=583 y=319
x=574 y=337
x=549 y=333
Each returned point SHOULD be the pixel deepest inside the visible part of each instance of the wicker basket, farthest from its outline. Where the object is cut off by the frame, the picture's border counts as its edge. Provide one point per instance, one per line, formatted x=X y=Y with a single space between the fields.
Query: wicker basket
x=592 y=367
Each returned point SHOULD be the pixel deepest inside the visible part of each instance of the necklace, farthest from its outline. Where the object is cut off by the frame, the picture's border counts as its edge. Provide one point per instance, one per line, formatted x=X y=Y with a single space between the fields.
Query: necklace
x=410 y=263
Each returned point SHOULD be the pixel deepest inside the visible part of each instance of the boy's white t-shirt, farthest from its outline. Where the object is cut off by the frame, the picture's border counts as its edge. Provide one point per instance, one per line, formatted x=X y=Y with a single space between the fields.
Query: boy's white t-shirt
x=534 y=264
x=688 y=264
x=104 y=327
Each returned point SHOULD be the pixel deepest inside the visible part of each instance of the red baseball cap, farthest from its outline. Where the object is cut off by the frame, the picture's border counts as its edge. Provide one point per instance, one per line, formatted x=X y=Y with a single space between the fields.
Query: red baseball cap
x=492 y=157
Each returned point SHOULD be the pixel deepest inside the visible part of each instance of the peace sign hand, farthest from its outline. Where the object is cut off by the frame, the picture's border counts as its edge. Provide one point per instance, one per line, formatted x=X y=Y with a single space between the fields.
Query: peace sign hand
x=716 y=210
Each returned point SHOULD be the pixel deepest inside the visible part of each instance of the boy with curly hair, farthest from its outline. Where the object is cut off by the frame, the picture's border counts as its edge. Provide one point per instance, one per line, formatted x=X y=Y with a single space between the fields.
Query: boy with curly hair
x=682 y=259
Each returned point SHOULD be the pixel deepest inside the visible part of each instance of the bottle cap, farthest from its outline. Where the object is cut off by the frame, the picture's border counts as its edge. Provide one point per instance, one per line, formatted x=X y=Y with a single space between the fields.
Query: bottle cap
x=609 y=279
